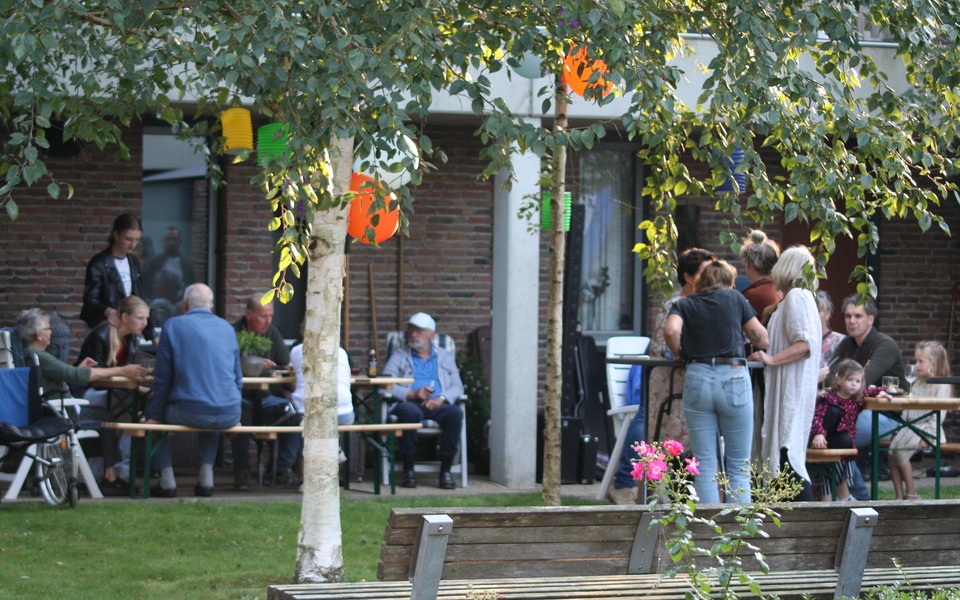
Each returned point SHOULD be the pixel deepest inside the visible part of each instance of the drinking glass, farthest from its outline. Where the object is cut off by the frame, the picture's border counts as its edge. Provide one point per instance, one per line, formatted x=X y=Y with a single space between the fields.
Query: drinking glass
x=891 y=384
x=911 y=375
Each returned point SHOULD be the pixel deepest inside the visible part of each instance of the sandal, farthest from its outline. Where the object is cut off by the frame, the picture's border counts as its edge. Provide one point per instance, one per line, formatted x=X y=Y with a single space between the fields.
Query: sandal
x=913 y=497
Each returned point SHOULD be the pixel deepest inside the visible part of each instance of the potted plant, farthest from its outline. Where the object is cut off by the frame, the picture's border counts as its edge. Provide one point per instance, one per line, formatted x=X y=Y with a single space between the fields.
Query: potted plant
x=252 y=348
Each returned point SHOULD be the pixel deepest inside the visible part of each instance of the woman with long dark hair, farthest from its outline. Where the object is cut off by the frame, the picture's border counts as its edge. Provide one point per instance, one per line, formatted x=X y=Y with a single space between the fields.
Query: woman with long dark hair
x=114 y=274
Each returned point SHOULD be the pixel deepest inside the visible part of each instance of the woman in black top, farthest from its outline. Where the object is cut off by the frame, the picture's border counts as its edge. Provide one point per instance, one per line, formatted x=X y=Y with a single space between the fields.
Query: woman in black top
x=706 y=329
x=113 y=274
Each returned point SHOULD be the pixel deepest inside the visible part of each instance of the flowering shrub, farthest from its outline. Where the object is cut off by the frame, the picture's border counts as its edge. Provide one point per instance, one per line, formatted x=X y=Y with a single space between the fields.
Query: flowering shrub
x=662 y=467
x=652 y=464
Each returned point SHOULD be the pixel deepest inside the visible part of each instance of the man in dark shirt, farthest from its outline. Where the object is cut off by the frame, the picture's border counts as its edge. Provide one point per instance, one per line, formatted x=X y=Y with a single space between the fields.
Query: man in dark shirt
x=263 y=407
x=880 y=356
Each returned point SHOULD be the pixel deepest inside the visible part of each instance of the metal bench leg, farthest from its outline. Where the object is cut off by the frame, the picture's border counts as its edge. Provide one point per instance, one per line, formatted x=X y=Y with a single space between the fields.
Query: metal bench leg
x=852 y=554
x=431 y=547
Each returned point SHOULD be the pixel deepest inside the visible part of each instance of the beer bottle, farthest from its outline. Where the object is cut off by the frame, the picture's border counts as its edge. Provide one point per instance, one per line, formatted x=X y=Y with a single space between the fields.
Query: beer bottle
x=372 y=363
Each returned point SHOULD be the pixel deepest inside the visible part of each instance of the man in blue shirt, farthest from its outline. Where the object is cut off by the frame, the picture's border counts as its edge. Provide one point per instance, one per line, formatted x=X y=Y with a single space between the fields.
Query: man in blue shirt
x=197 y=383
x=435 y=378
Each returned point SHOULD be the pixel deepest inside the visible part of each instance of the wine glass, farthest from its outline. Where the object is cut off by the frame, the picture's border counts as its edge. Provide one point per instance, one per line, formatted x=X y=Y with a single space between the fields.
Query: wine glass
x=911 y=376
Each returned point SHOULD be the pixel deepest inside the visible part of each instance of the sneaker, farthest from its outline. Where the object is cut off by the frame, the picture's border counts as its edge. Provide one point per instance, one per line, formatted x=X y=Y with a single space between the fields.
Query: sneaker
x=622 y=496
x=847 y=499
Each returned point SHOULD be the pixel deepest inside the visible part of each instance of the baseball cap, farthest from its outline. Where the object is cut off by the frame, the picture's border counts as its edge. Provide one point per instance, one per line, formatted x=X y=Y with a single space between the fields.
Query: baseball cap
x=423 y=321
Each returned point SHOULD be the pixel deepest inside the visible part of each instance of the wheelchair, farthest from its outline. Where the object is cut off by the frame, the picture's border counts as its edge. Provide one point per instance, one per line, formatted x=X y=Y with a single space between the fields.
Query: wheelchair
x=34 y=432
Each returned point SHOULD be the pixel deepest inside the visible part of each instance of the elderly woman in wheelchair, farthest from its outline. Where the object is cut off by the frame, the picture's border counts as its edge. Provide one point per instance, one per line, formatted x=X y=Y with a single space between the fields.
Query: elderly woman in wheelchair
x=34 y=325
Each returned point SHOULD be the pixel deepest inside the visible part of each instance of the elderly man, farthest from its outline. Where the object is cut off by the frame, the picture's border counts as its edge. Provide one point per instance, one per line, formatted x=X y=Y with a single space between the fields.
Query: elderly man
x=435 y=378
x=266 y=408
x=880 y=356
x=197 y=382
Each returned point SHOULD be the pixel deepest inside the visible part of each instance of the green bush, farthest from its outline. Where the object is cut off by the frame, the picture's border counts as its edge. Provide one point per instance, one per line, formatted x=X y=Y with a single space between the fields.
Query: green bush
x=477 y=410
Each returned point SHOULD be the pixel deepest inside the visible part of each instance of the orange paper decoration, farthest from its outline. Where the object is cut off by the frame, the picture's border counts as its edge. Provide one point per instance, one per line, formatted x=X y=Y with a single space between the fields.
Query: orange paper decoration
x=361 y=217
x=577 y=80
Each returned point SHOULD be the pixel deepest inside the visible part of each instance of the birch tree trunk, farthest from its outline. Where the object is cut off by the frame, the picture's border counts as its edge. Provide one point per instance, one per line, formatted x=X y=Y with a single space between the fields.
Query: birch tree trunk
x=319 y=545
x=554 y=375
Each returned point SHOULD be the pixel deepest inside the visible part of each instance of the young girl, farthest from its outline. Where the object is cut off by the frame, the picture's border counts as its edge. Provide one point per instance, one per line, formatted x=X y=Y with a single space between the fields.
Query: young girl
x=931 y=361
x=835 y=418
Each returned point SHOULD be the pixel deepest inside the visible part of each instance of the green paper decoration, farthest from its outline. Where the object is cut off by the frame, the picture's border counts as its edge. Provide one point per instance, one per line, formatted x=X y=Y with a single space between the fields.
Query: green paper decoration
x=545 y=211
x=267 y=146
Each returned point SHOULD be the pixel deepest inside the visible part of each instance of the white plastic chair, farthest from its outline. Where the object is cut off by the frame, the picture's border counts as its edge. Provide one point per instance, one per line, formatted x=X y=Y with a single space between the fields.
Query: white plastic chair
x=620 y=412
x=444 y=341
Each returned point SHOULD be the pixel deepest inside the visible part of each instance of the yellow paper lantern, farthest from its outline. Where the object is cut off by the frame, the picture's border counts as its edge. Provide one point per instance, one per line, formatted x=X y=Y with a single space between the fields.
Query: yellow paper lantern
x=238 y=129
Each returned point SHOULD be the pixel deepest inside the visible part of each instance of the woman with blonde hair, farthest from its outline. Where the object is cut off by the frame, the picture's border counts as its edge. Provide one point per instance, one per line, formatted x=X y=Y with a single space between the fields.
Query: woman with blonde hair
x=111 y=345
x=792 y=367
x=707 y=329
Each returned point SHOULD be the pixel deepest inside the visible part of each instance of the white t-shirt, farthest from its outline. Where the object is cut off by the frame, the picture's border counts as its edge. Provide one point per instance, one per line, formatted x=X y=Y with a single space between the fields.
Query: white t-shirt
x=123 y=267
x=344 y=398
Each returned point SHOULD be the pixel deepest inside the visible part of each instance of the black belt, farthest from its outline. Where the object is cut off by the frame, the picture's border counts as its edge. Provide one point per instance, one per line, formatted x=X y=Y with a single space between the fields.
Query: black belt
x=719 y=360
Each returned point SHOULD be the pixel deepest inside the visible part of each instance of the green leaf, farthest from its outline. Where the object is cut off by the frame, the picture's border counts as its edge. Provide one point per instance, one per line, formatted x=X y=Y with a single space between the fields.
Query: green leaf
x=53 y=190
x=268 y=297
x=13 y=211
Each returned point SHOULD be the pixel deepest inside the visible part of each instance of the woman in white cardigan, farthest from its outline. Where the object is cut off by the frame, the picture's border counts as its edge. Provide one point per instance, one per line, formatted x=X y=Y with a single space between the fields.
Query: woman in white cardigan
x=792 y=368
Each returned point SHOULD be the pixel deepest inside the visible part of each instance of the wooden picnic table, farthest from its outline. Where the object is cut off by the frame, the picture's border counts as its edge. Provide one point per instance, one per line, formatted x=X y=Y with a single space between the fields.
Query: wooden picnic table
x=894 y=409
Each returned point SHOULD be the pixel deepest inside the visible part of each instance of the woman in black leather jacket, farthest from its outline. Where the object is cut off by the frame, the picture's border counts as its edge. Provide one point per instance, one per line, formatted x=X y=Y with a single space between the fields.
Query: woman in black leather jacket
x=114 y=274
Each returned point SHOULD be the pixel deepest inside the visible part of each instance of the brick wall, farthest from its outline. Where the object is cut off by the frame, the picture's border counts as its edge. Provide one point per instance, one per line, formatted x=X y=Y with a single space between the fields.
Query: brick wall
x=445 y=265
x=43 y=254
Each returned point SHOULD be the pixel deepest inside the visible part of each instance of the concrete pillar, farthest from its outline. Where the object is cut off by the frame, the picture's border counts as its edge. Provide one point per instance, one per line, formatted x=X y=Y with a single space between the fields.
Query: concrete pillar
x=515 y=331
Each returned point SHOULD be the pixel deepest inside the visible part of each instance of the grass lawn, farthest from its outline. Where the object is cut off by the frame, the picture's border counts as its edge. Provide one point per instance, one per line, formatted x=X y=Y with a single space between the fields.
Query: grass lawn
x=120 y=550
x=113 y=550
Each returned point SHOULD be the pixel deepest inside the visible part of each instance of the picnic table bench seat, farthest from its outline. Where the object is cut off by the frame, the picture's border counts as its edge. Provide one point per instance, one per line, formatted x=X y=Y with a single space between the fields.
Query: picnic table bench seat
x=268 y=432
x=821 y=550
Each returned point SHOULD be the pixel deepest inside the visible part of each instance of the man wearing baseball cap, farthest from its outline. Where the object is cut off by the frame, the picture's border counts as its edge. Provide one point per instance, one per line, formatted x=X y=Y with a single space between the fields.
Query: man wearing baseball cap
x=435 y=378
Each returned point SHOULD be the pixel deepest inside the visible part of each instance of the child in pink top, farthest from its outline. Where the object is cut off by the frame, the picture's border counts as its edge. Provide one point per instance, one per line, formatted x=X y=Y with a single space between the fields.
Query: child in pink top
x=835 y=418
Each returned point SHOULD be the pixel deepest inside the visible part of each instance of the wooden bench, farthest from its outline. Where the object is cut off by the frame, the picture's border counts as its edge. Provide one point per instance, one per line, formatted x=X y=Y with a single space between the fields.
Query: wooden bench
x=821 y=550
x=821 y=461
x=267 y=432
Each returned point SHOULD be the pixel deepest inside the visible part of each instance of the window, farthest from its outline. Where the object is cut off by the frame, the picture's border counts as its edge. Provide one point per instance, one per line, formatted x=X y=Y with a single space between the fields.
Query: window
x=175 y=243
x=610 y=294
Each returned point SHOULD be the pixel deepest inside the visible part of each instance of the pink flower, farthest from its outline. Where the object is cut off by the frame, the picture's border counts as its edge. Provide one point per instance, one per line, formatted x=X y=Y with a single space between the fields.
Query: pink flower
x=673 y=447
x=692 y=466
x=646 y=449
x=656 y=469
x=638 y=469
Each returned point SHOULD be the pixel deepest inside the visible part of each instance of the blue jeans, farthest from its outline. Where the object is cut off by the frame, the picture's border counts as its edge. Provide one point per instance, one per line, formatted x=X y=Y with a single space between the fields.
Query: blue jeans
x=858 y=487
x=448 y=416
x=718 y=401
x=208 y=440
x=865 y=427
x=273 y=410
x=636 y=432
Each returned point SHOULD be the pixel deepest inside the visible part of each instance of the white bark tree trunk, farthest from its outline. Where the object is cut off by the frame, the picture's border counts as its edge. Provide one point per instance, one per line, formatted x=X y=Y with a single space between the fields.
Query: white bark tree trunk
x=319 y=544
